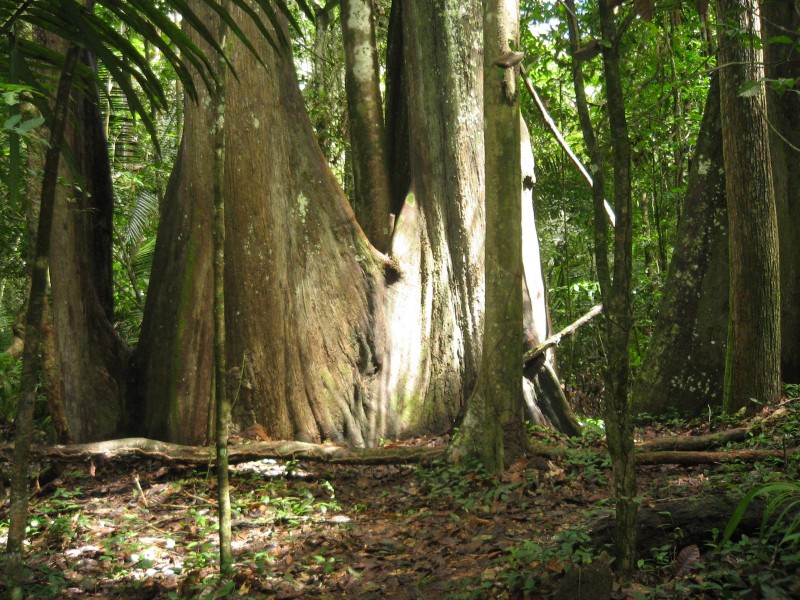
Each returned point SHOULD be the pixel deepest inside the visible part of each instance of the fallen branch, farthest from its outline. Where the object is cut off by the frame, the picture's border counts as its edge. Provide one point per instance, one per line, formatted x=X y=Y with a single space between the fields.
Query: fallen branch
x=694 y=442
x=284 y=450
x=701 y=458
x=555 y=339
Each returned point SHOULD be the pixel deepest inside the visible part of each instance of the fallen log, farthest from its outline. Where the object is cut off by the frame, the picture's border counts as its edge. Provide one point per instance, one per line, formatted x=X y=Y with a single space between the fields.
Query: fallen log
x=290 y=450
x=700 y=458
x=694 y=442
x=283 y=450
x=684 y=521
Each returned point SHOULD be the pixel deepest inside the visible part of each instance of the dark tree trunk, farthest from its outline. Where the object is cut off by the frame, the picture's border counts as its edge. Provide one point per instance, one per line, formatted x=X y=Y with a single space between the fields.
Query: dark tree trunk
x=695 y=308
x=23 y=437
x=752 y=375
x=618 y=309
x=781 y=18
x=685 y=362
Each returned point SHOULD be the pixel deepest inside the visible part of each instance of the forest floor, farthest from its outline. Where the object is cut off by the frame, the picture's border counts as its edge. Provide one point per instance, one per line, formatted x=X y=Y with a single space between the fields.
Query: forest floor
x=147 y=529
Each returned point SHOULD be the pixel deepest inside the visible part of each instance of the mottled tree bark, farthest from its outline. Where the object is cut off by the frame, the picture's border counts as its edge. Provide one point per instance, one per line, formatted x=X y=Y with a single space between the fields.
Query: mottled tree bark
x=365 y=111
x=753 y=365
x=685 y=362
x=300 y=282
x=618 y=309
x=493 y=429
x=312 y=308
x=221 y=399
x=435 y=127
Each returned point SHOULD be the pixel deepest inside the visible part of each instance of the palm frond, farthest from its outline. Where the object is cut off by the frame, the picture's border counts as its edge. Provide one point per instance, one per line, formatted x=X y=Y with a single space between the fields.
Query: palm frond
x=142 y=262
x=73 y=22
x=144 y=214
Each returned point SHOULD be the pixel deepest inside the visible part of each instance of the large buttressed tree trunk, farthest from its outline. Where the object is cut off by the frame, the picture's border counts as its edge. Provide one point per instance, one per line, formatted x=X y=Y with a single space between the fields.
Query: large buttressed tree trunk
x=694 y=311
x=172 y=366
x=92 y=357
x=435 y=129
x=304 y=348
x=327 y=339
x=685 y=362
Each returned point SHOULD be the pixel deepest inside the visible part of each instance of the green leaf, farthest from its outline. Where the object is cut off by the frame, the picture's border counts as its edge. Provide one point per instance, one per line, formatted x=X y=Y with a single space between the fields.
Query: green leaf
x=780 y=39
x=26 y=126
x=12 y=122
x=749 y=89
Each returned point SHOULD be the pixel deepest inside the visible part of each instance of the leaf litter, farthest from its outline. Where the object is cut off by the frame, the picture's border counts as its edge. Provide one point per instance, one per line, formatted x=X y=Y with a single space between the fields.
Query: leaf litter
x=145 y=529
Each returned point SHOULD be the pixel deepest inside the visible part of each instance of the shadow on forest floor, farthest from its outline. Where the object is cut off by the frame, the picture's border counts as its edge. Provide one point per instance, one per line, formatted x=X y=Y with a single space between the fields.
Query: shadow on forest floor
x=147 y=529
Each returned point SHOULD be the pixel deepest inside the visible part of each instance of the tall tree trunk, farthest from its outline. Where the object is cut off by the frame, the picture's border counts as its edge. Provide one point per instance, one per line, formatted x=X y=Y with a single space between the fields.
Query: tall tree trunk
x=221 y=400
x=493 y=428
x=753 y=364
x=18 y=505
x=618 y=304
x=685 y=362
x=365 y=110
x=91 y=355
x=781 y=18
x=434 y=126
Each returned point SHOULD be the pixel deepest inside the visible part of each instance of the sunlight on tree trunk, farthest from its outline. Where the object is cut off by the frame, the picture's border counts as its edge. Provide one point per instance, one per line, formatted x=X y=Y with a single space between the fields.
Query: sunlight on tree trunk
x=493 y=428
